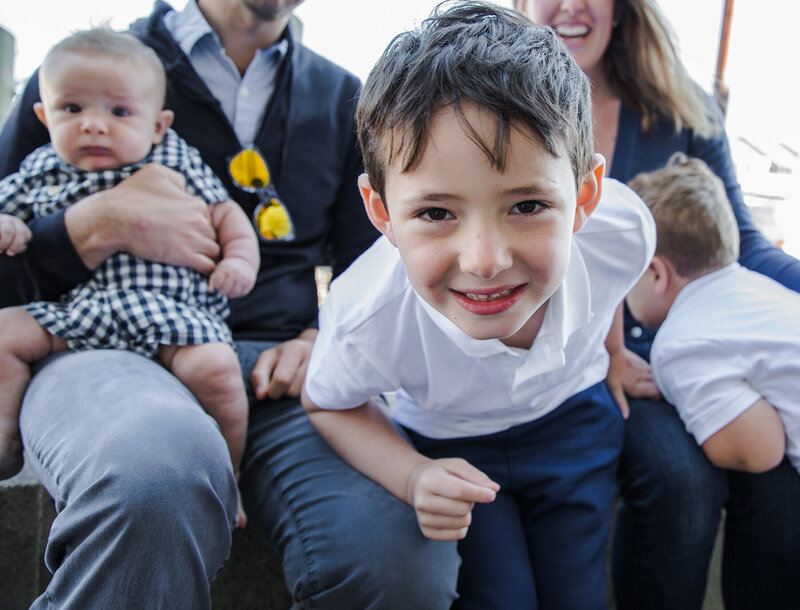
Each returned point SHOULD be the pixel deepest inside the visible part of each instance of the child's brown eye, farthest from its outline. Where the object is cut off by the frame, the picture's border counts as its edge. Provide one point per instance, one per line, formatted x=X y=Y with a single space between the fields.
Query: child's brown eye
x=434 y=214
x=527 y=207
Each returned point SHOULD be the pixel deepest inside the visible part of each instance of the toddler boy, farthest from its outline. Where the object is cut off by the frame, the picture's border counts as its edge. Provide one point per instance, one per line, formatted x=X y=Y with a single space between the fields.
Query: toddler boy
x=727 y=351
x=485 y=305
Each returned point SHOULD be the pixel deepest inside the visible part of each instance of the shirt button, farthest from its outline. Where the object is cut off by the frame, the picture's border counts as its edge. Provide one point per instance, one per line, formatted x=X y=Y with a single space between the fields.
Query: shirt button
x=636 y=332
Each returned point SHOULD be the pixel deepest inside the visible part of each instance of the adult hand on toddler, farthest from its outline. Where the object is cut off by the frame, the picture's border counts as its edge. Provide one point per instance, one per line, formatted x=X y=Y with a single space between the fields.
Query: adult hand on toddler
x=232 y=277
x=281 y=370
x=14 y=235
x=150 y=215
x=443 y=493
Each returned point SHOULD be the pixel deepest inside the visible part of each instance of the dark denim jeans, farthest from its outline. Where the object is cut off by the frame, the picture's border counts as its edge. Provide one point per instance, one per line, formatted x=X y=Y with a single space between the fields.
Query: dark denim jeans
x=672 y=503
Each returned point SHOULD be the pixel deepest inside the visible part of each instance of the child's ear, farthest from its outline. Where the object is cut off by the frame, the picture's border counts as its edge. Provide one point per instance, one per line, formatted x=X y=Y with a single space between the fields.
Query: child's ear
x=164 y=119
x=663 y=275
x=589 y=193
x=376 y=208
x=38 y=109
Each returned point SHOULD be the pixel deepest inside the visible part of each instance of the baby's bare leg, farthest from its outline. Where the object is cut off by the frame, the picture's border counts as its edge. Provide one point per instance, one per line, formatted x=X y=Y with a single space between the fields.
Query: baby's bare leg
x=211 y=371
x=22 y=342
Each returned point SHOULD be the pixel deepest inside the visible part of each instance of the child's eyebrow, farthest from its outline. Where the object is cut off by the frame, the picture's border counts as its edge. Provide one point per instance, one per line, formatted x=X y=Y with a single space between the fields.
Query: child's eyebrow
x=530 y=190
x=526 y=191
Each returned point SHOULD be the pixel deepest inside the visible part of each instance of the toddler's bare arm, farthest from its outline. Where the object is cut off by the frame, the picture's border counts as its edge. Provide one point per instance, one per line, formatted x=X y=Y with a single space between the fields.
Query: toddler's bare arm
x=235 y=274
x=754 y=442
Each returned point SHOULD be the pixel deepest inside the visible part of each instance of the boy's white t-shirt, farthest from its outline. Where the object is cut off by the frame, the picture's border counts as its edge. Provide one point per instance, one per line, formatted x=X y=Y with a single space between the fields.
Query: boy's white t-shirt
x=376 y=335
x=731 y=337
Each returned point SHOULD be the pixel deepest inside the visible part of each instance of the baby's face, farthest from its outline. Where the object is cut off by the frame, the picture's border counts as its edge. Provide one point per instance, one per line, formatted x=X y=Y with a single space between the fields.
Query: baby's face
x=485 y=248
x=101 y=113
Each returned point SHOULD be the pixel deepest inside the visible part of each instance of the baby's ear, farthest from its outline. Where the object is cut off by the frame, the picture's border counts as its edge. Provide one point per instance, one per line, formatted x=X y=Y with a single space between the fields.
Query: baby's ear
x=38 y=110
x=376 y=208
x=164 y=119
x=589 y=193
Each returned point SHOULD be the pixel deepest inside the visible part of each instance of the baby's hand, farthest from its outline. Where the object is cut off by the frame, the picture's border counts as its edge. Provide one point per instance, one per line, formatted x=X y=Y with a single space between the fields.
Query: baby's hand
x=232 y=277
x=14 y=235
x=443 y=493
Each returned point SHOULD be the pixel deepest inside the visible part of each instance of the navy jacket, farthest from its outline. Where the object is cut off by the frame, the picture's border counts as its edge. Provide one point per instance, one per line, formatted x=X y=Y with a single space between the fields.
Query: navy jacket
x=308 y=137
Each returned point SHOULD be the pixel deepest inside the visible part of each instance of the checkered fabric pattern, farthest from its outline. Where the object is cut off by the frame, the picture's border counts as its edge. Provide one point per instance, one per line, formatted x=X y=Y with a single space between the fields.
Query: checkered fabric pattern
x=129 y=303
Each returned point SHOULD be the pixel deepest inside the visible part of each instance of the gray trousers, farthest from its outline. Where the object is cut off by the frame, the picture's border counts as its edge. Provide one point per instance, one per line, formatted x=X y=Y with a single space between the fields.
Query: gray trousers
x=146 y=498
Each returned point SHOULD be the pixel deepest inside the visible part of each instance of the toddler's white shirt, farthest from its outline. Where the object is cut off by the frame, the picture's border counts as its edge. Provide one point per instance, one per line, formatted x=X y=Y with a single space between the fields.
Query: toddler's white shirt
x=730 y=338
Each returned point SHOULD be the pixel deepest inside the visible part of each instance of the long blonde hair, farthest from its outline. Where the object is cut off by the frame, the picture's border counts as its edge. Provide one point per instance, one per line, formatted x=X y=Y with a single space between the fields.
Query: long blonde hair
x=642 y=65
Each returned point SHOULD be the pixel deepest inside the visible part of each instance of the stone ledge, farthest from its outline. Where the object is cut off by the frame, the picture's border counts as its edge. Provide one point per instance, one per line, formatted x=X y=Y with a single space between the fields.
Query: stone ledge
x=252 y=578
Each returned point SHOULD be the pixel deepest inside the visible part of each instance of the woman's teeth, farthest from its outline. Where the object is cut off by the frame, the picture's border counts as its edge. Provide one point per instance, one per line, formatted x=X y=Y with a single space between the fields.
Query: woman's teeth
x=572 y=31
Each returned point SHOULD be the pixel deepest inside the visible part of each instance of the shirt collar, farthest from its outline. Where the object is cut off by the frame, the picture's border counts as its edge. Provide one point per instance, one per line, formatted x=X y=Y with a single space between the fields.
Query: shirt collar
x=568 y=309
x=189 y=26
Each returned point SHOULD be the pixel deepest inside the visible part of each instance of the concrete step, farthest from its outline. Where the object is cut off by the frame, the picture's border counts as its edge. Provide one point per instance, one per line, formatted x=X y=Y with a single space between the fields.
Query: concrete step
x=251 y=579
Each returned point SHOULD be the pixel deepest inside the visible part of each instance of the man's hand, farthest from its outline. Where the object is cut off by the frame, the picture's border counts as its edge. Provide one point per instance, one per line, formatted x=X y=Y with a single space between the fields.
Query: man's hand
x=630 y=374
x=149 y=215
x=14 y=235
x=281 y=370
x=232 y=277
x=443 y=493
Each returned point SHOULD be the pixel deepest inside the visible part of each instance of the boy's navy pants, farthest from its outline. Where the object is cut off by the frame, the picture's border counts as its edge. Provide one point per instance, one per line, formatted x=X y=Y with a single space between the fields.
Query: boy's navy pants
x=542 y=542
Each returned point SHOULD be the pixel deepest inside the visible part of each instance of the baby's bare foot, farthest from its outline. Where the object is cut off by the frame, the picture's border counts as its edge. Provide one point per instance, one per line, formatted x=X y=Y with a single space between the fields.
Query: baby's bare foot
x=11 y=460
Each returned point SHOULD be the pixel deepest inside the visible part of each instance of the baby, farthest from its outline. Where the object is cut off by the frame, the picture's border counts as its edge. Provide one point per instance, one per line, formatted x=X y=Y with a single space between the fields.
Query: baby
x=102 y=102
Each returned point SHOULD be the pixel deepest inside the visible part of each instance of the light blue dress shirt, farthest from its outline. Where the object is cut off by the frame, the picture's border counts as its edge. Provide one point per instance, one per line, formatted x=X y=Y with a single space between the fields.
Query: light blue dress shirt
x=244 y=98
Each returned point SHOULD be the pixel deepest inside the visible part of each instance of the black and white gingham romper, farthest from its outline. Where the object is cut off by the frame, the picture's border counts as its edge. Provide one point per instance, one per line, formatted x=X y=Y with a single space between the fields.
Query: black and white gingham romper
x=129 y=303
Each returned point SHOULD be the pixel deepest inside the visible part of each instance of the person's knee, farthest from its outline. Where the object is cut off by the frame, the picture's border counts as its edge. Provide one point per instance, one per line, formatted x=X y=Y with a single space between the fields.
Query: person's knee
x=211 y=371
x=386 y=567
x=660 y=460
x=173 y=472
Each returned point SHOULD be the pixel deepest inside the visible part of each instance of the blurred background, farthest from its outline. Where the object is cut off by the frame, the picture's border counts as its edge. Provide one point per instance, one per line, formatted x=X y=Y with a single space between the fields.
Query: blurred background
x=758 y=70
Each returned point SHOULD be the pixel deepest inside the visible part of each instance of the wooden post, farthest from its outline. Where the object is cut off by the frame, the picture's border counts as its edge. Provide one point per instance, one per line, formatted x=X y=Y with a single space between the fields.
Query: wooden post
x=720 y=87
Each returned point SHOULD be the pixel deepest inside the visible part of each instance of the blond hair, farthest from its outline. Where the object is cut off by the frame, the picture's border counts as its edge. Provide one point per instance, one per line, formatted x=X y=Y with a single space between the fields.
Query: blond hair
x=642 y=65
x=695 y=225
x=107 y=42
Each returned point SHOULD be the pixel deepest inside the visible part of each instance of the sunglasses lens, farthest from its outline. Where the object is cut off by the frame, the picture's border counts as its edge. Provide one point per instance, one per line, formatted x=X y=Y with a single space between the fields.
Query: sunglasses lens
x=273 y=221
x=248 y=170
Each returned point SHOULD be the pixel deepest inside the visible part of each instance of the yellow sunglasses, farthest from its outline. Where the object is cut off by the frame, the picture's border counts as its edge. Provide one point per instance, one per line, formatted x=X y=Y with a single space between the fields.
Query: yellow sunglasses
x=248 y=170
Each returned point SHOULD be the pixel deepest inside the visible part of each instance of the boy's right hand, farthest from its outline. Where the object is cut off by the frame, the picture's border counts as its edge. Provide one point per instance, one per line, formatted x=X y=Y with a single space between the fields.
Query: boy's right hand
x=443 y=493
x=14 y=235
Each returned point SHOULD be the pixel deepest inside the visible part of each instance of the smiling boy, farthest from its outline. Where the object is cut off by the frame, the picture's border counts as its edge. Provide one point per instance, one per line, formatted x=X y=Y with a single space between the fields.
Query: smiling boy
x=485 y=306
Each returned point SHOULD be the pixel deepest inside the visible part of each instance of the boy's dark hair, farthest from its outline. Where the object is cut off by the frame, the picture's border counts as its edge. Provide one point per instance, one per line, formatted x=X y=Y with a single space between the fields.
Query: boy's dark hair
x=105 y=41
x=480 y=53
x=695 y=225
